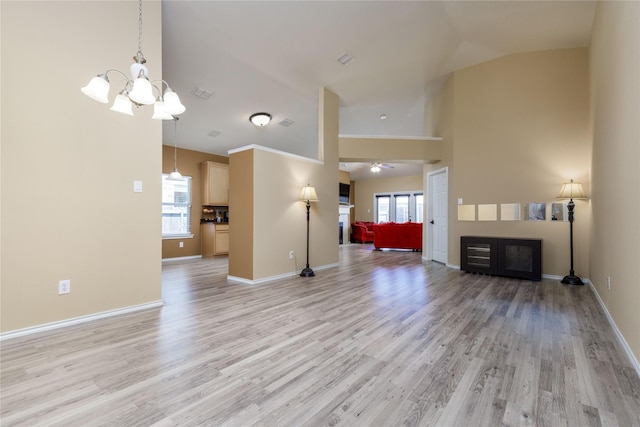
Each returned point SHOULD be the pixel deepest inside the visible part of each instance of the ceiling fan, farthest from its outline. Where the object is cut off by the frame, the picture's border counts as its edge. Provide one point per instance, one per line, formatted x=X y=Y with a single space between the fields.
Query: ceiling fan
x=376 y=167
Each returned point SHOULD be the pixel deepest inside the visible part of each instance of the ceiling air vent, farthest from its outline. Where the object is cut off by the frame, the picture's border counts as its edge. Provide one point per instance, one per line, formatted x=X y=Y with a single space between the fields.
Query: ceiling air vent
x=214 y=133
x=201 y=93
x=345 y=59
x=286 y=122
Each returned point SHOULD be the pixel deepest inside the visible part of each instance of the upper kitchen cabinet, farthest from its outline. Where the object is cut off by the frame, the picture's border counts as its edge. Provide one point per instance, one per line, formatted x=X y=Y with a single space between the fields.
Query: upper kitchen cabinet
x=215 y=184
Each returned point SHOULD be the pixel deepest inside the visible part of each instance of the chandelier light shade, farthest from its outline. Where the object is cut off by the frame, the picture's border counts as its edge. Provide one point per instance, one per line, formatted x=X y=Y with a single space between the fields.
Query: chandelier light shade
x=138 y=89
x=571 y=190
x=159 y=112
x=98 y=89
x=123 y=105
x=308 y=195
x=260 y=119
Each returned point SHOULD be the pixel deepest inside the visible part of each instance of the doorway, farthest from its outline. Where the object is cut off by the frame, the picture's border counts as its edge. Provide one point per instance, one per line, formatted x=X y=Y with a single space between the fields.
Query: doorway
x=437 y=215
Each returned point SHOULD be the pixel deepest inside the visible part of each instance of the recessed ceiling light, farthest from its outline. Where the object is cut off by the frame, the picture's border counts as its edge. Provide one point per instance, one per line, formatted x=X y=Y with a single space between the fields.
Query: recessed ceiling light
x=345 y=59
x=286 y=122
x=201 y=93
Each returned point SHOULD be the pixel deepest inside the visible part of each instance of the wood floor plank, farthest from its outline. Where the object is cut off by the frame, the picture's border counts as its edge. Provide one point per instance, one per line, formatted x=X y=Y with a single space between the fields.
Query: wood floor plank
x=383 y=339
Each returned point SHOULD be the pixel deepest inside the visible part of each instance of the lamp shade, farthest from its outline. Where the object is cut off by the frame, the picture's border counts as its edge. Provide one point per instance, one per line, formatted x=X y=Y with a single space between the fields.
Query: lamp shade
x=159 y=112
x=123 y=105
x=97 y=89
x=142 y=92
x=308 y=194
x=260 y=119
x=175 y=176
x=172 y=104
x=572 y=190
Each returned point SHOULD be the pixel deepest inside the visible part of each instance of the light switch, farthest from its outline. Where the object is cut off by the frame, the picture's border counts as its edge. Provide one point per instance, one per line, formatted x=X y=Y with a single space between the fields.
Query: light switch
x=137 y=186
x=460 y=201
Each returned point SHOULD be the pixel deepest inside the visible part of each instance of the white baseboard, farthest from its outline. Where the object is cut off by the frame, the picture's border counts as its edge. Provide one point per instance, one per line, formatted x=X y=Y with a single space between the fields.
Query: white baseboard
x=77 y=320
x=182 y=258
x=625 y=345
x=278 y=277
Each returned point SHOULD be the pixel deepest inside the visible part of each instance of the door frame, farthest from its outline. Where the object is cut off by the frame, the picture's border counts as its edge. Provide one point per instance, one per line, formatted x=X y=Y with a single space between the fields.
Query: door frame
x=429 y=212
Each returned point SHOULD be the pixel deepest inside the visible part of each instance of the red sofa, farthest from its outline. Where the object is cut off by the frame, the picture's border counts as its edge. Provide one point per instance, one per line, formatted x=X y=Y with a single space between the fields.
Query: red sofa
x=362 y=232
x=392 y=235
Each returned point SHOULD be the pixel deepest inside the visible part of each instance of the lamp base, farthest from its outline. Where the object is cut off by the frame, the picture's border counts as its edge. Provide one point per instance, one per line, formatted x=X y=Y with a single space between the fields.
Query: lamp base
x=572 y=280
x=307 y=272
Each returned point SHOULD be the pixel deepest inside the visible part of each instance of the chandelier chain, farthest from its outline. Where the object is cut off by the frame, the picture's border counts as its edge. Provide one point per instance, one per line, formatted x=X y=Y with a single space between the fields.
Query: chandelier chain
x=139 y=25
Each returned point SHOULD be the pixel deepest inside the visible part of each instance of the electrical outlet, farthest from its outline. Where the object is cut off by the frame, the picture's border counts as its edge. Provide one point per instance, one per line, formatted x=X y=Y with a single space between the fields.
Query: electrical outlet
x=182 y=244
x=609 y=282
x=64 y=287
x=290 y=254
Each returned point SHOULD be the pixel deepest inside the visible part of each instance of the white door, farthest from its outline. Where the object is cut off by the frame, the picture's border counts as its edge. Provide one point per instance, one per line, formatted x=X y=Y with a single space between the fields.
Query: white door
x=438 y=214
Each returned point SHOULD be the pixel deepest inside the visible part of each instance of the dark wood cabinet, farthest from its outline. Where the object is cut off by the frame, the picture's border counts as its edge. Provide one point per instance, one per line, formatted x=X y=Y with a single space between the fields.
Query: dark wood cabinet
x=519 y=258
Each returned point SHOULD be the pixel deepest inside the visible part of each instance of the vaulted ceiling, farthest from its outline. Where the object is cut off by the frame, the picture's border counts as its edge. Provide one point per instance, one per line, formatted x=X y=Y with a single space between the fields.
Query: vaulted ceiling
x=273 y=56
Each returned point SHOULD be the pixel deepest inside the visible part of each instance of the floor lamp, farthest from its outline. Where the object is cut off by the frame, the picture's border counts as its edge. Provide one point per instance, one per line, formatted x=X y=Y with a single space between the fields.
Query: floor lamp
x=308 y=195
x=571 y=190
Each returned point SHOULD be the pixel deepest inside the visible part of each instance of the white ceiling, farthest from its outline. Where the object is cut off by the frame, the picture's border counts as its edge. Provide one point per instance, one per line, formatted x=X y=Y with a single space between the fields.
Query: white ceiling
x=274 y=56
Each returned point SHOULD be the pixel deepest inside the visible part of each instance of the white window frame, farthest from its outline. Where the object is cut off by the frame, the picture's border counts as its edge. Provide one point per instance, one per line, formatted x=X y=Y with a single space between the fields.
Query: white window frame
x=183 y=235
x=392 y=204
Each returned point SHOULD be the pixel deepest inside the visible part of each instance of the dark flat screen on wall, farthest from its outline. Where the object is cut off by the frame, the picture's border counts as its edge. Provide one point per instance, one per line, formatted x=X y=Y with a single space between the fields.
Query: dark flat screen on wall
x=344 y=193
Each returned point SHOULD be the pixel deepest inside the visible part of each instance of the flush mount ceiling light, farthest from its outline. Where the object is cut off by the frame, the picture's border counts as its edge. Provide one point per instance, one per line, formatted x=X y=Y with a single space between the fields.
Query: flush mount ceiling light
x=260 y=119
x=137 y=90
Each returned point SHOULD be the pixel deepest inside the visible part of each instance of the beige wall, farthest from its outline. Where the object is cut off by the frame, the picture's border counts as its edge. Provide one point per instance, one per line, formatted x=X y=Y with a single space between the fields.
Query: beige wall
x=189 y=165
x=68 y=164
x=241 y=211
x=515 y=129
x=615 y=99
x=365 y=190
x=278 y=217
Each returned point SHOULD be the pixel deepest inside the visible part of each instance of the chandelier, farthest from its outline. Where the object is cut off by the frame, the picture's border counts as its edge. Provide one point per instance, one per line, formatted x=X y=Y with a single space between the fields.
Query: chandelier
x=137 y=90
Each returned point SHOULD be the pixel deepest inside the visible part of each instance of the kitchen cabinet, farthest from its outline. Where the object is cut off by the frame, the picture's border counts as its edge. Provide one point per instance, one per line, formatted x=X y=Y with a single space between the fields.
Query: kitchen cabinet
x=215 y=239
x=215 y=184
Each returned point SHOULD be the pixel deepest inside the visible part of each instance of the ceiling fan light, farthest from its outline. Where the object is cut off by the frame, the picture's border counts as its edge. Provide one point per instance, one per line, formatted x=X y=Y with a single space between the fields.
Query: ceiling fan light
x=260 y=119
x=142 y=93
x=172 y=104
x=122 y=104
x=97 y=89
x=159 y=112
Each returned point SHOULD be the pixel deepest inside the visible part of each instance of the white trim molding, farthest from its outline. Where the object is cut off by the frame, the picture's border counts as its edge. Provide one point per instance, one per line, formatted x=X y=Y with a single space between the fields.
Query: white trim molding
x=181 y=258
x=623 y=342
x=78 y=320
x=278 y=277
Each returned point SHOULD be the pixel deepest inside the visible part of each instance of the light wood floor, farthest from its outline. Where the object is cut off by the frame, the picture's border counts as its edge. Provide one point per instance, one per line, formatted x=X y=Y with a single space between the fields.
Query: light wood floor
x=382 y=340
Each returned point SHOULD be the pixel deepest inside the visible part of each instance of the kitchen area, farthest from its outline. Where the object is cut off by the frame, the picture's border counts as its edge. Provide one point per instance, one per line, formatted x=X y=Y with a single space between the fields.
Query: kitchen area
x=214 y=219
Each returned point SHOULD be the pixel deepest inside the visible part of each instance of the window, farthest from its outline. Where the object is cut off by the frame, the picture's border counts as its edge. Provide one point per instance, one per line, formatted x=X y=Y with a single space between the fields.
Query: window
x=402 y=207
x=382 y=208
x=399 y=207
x=176 y=208
x=419 y=199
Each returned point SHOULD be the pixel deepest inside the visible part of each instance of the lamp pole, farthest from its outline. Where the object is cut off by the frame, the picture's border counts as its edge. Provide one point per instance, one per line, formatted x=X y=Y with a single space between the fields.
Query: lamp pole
x=571 y=279
x=307 y=271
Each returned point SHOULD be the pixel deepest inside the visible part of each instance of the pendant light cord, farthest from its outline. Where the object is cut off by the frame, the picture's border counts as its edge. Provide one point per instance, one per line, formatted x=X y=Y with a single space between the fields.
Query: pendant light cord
x=175 y=143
